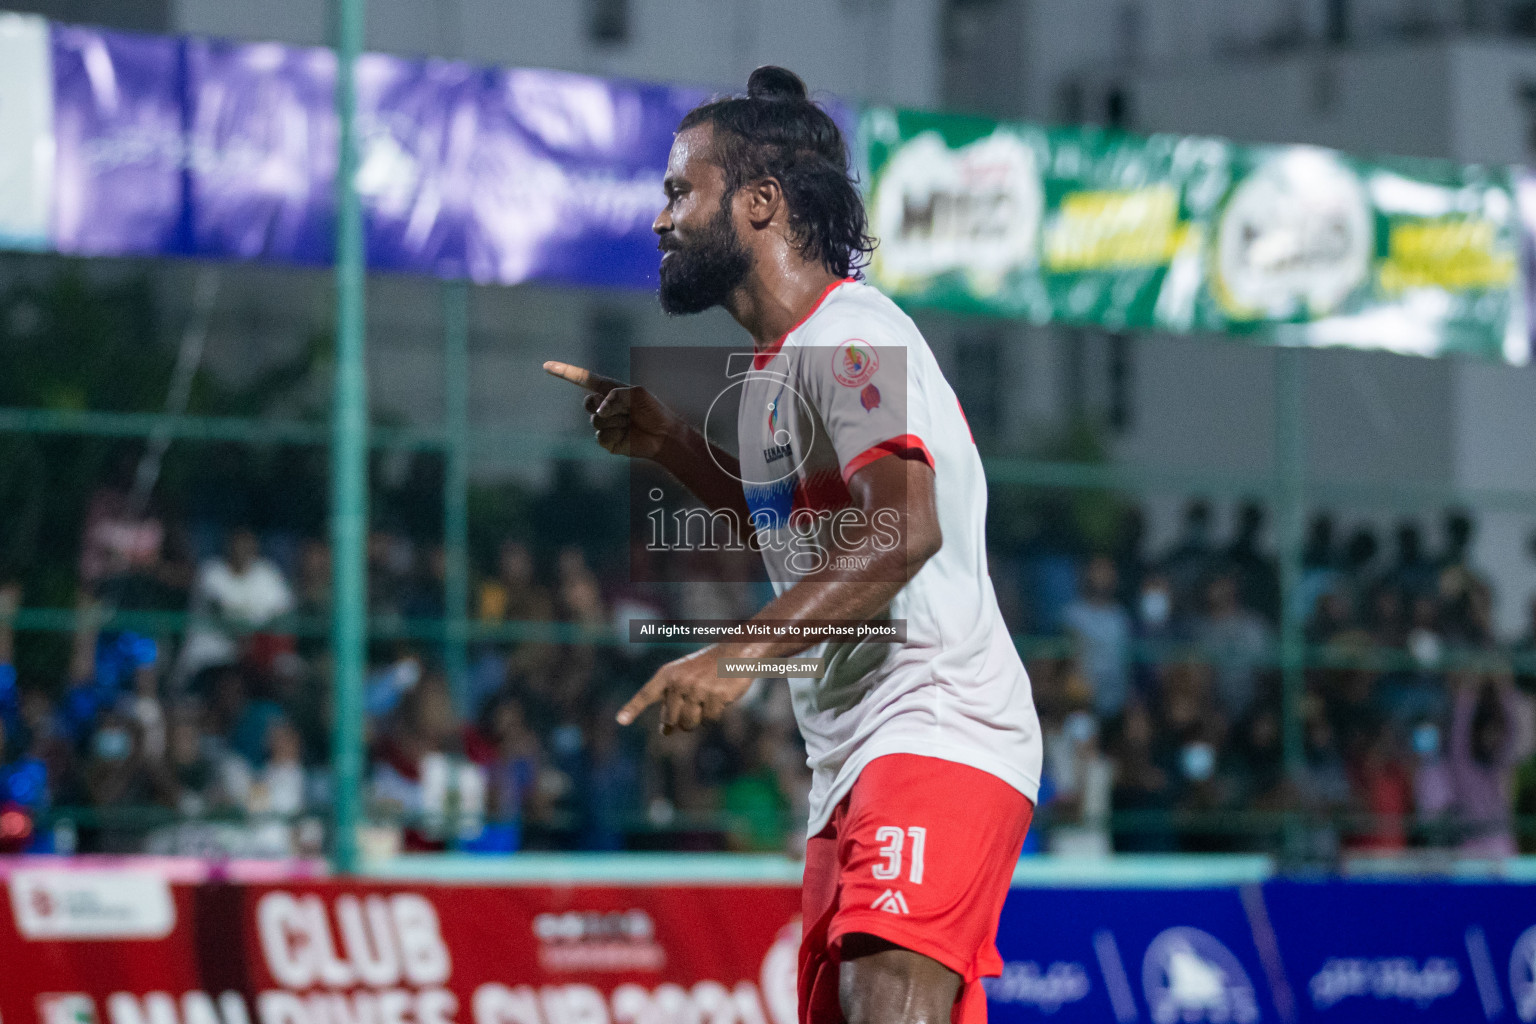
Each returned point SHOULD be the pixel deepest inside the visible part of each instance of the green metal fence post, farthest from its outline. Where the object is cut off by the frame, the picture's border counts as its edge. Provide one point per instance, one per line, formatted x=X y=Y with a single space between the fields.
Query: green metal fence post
x=456 y=489
x=349 y=460
x=1290 y=506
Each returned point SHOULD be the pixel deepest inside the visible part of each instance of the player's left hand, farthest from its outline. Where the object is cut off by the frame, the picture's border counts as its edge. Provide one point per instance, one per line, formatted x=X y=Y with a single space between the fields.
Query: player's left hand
x=689 y=692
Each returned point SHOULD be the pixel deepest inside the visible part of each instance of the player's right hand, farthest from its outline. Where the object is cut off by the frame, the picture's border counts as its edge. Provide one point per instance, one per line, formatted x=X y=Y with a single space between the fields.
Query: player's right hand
x=628 y=420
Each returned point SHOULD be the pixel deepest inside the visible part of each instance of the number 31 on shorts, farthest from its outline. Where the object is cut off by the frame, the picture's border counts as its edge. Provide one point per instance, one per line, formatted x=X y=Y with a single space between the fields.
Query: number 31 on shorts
x=894 y=839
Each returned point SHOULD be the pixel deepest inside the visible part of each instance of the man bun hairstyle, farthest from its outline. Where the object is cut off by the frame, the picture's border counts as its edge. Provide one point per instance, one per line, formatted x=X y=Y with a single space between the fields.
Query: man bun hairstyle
x=775 y=131
x=775 y=83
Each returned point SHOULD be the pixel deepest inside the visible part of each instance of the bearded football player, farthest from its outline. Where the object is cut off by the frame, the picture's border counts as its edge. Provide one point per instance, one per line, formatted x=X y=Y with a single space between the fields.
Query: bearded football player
x=925 y=752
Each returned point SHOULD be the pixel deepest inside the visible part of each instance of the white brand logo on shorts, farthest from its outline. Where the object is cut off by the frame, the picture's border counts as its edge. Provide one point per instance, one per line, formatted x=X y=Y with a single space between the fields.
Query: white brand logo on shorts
x=892 y=902
x=1191 y=978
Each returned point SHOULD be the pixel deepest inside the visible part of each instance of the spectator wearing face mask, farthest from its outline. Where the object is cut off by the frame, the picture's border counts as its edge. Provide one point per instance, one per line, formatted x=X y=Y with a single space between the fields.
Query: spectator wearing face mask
x=1156 y=630
x=117 y=775
x=1434 y=792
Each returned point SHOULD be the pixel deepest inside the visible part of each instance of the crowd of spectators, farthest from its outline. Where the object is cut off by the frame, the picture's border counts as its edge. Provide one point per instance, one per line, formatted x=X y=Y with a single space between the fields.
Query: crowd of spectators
x=214 y=739
x=1156 y=675
x=1165 y=720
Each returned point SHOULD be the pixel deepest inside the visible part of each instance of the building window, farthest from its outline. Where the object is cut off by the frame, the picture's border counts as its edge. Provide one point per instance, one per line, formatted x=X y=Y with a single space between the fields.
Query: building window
x=608 y=21
x=1525 y=94
x=1117 y=108
x=1338 y=19
x=1122 y=380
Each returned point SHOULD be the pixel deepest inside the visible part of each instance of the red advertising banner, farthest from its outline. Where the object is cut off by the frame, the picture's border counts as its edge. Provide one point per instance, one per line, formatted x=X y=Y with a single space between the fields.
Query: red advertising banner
x=128 y=946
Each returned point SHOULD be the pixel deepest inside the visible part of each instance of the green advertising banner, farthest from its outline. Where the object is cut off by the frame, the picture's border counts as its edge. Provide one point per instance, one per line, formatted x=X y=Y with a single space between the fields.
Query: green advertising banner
x=1289 y=245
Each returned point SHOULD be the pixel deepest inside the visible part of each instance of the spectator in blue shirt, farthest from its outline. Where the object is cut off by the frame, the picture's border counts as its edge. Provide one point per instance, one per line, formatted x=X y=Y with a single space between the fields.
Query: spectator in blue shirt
x=1101 y=629
x=10 y=697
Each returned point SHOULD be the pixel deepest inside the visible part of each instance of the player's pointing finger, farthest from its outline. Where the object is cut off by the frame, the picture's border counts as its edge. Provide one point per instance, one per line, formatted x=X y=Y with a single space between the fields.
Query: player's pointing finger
x=648 y=694
x=582 y=378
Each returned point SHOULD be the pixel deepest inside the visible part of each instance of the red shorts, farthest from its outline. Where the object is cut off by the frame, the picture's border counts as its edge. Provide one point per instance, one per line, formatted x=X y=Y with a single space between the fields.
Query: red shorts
x=920 y=853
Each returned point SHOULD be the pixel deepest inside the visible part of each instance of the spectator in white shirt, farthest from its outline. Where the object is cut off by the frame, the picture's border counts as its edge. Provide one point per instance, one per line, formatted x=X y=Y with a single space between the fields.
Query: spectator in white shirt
x=237 y=593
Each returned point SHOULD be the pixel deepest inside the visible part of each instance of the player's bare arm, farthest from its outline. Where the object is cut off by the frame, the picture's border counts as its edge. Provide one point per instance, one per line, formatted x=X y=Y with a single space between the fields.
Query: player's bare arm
x=689 y=689
x=631 y=421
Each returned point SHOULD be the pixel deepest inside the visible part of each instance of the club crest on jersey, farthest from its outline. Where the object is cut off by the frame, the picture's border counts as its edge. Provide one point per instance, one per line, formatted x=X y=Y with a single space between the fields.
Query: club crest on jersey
x=869 y=397
x=854 y=362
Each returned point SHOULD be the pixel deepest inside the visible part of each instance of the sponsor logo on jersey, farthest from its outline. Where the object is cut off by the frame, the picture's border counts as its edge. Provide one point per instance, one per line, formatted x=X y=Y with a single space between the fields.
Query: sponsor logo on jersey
x=869 y=397
x=1189 y=977
x=854 y=362
x=892 y=901
x=778 y=436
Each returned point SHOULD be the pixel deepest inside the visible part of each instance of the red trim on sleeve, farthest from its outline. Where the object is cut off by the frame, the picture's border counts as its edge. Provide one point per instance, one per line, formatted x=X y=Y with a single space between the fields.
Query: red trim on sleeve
x=965 y=421
x=907 y=446
x=760 y=360
x=823 y=491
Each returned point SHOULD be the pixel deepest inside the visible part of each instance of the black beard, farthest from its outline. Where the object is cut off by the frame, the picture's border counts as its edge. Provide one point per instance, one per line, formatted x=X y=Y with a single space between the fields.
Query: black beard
x=704 y=272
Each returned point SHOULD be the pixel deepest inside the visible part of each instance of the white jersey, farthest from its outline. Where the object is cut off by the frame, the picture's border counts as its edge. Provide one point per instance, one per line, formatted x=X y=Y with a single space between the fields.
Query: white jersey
x=853 y=382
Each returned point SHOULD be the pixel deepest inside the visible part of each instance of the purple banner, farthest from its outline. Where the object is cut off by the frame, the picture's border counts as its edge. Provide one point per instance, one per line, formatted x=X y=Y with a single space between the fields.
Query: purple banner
x=1525 y=203
x=228 y=150
x=568 y=177
x=120 y=185
x=262 y=150
x=417 y=129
